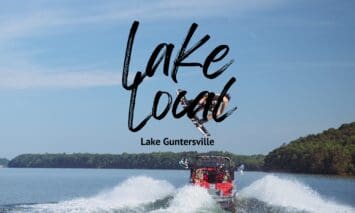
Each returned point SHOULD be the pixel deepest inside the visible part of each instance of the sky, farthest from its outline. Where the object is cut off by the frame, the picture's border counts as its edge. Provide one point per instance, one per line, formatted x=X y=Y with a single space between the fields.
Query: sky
x=61 y=66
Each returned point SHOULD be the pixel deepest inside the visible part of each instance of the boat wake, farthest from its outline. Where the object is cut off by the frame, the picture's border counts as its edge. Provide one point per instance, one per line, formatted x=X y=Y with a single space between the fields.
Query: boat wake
x=136 y=194
x=288 y=195
x=145 y=194
x=190 y=199
x=128 y=196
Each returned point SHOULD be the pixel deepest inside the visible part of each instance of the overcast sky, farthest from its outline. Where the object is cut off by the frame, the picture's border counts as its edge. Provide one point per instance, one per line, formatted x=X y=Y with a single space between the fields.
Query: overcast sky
x=61 y=62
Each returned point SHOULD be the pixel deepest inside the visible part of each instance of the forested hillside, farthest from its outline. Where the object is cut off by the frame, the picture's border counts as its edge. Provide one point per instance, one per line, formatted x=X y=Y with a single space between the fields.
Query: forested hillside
x=3 y=162
x=330 y=152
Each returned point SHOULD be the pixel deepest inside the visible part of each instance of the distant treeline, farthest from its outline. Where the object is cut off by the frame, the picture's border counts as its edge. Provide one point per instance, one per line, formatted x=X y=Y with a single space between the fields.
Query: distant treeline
x=3 y=162
x=155 y=160
x=330 y=152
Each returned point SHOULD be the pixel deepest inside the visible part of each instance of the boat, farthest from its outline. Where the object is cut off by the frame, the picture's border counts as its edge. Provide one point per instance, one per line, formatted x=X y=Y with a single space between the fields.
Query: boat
x=216 y=174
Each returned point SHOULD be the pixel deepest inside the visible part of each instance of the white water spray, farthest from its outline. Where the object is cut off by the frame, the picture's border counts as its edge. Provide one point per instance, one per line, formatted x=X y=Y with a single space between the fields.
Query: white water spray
x=131 y=193
x=190 y=199
x=291 y=194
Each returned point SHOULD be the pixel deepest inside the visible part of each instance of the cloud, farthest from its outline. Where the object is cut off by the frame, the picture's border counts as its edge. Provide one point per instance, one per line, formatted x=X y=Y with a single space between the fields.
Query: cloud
x=40 y=19
x=25 y=79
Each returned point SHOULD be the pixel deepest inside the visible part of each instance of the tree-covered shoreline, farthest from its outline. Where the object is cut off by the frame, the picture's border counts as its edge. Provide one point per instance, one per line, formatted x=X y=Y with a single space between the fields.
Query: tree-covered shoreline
x=154 y=160
x=330 y=152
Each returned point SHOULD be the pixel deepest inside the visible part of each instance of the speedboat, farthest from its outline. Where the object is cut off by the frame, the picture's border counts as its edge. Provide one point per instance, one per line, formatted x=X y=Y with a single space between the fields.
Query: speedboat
x=216 y=174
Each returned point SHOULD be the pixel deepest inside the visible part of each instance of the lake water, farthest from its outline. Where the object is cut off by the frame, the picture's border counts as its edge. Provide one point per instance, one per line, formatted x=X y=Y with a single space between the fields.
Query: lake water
x=118 y=190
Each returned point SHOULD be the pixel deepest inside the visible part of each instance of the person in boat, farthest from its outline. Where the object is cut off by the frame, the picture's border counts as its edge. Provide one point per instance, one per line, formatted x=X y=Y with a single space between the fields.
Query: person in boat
x=220 y=173
x=226 y=177
x=201 y=178
x=220 y=110
x=199 y=175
